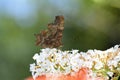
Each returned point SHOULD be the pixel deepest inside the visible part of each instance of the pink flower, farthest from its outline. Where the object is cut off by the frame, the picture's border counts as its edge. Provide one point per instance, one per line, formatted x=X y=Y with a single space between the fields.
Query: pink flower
x=81 y=75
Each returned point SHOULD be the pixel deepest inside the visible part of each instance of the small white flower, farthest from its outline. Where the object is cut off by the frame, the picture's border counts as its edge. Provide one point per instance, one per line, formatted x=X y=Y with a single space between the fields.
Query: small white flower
x=74 y=51
x=32 y=67
x=116 y=47
x=98 y=65
x=110 y=74
x=112 y=63
x=36 y=56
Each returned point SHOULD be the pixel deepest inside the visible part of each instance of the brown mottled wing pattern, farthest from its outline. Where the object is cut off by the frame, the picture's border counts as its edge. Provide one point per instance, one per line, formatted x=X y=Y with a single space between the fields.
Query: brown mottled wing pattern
x=52 y=37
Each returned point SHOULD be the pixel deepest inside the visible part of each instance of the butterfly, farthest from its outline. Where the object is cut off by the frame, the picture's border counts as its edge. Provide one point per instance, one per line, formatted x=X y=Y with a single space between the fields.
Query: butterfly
x=52 y=37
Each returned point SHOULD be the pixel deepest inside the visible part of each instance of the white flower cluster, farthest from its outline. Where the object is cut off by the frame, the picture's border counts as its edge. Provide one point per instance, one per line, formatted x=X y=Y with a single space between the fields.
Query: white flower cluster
x=54 y=61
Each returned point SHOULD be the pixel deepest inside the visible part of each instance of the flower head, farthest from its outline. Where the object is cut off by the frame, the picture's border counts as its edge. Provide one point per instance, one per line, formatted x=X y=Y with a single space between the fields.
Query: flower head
x=55 y=61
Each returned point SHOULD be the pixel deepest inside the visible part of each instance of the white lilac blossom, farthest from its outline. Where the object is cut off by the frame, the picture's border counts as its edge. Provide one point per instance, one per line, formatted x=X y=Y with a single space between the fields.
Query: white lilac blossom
x=55 y=61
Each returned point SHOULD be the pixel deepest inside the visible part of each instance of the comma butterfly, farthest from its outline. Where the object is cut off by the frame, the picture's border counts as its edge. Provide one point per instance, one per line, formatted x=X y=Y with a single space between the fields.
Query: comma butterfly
x=52 y=37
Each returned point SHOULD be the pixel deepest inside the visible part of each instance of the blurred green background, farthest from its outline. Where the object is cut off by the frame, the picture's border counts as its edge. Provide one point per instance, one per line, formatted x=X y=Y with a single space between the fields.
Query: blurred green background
x=89 y=24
